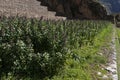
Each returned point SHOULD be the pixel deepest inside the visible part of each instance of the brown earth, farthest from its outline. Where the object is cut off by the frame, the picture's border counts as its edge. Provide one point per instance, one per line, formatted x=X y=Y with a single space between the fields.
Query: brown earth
x=28 y=8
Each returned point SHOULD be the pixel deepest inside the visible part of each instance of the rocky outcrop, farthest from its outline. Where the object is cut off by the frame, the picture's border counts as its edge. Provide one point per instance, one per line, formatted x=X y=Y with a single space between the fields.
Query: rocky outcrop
x=78 y=9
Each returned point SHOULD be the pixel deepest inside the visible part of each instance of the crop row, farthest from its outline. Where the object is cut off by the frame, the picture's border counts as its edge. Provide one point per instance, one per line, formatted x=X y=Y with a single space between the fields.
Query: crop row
x=38 y=48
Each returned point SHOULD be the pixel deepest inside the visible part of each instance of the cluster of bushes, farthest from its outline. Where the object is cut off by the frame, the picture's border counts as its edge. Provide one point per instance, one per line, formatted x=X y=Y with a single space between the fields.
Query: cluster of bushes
x=38 y=49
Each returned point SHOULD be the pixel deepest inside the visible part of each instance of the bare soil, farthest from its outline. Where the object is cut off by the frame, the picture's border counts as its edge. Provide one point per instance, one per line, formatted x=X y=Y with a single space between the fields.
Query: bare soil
x=28 y=8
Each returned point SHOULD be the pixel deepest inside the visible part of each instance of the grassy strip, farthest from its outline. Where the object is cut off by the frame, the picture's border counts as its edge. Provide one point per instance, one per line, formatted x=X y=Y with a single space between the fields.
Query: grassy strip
x=118 y=50
x=85 y=63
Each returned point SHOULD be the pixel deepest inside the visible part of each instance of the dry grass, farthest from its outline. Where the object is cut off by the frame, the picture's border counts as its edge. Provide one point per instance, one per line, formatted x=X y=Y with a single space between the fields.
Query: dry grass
x=28 y=8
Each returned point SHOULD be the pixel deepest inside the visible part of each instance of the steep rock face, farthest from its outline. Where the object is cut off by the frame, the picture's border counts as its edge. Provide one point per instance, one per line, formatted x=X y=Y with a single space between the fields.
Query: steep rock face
x=78 y=9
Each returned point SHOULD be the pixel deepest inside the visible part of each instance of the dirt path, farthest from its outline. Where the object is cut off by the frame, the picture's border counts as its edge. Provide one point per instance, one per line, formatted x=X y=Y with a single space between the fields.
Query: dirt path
x=29 y=8
x=113 y=63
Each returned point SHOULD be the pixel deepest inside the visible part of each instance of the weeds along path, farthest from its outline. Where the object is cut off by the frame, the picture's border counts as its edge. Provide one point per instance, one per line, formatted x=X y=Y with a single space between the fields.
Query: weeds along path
x=28 y=8
x=112 y=65
x=112 y=62
x=118 y=50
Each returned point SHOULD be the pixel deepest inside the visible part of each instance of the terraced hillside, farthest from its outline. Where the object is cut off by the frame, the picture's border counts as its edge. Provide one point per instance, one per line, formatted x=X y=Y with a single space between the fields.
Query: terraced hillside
x=29 y=8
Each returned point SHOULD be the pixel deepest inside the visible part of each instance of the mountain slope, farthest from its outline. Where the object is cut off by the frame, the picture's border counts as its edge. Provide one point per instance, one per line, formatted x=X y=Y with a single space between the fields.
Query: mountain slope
x=80 y=9
x=28 y=8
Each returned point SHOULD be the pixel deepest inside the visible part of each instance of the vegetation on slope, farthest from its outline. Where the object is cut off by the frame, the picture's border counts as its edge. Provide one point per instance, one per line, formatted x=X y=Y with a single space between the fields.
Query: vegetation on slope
x=39 y=50
x=118 y=50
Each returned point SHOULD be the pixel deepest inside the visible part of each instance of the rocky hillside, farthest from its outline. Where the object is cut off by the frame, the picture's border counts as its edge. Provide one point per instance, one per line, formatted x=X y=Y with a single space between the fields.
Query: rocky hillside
x=28 y=8
x=54 y=9
x=80 y=9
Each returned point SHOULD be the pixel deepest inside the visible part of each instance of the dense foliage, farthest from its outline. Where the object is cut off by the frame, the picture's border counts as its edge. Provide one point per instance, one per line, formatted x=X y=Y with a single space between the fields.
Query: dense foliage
x=37 y=48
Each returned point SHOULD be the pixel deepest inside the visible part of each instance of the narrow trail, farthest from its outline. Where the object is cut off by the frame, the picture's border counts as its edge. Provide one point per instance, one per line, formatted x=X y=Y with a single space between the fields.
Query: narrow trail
x=114 y=56
x=112 y=65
